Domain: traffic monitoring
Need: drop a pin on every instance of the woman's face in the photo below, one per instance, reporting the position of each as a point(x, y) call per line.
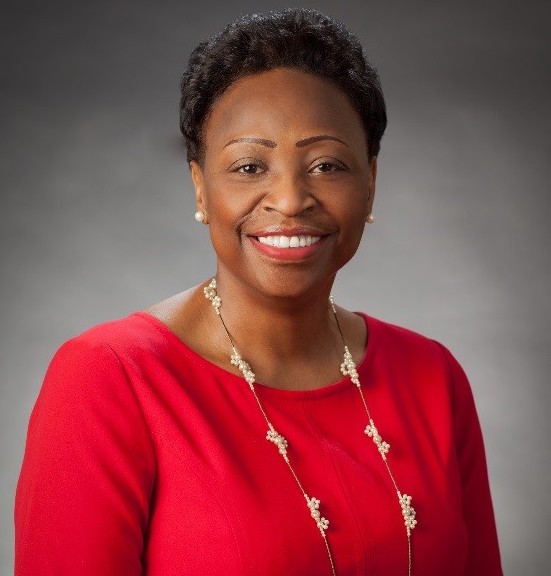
point(286, 183)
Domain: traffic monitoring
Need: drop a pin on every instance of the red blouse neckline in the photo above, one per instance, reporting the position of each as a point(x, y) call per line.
point(265, 390)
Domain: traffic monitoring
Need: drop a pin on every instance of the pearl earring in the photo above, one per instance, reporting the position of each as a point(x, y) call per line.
point(200, 216)
point(370, 218)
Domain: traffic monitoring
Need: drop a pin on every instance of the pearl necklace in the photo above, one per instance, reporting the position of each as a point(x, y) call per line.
point(348, 368)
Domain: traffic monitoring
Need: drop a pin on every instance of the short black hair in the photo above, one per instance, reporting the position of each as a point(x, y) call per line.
point(297, 38)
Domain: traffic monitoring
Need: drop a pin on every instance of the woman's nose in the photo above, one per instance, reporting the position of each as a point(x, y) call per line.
point(289, 195)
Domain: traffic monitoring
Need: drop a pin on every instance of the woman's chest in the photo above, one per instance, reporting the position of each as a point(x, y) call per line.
point(227, 502)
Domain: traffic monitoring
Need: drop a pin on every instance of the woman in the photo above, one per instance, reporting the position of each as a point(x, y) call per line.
point(249, 425)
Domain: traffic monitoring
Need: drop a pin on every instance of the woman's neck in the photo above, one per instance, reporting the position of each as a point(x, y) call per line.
point(300, 326)
point(290, 342)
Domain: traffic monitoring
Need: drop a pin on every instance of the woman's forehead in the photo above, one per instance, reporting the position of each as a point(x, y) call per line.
point(282, 102)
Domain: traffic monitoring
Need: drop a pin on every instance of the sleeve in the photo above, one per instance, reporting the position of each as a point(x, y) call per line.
point(478, 514)
point(82, 500)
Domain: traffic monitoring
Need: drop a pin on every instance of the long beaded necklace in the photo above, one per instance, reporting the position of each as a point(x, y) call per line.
point(348, 368)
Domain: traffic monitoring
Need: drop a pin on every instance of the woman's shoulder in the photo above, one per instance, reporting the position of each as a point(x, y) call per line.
point(391, 329)
point(419, 365)
point(94, 361)
point(114, 351)
point(123, 351)
point(391, 333)
point(120, 337)
point(144, 331)
point(410, 347)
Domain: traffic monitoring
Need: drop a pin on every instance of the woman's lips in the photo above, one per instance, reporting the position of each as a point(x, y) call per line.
point(287, 247)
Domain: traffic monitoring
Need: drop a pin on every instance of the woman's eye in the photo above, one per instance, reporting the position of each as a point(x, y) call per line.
point(248, 169)
point(324, 167)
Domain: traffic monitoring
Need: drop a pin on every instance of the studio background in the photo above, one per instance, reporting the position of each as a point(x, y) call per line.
point(96, 216)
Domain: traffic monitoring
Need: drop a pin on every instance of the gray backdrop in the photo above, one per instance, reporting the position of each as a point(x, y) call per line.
point(97, 207)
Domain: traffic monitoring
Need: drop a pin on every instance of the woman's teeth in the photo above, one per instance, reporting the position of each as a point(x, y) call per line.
point(288, 241)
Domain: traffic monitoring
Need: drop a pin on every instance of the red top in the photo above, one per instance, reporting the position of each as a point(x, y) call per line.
point(143, 458)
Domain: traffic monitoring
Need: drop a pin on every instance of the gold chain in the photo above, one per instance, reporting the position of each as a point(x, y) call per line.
point(348, 368)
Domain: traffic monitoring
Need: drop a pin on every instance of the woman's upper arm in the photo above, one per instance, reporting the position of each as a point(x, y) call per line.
point(82, 501)
point(478, 514)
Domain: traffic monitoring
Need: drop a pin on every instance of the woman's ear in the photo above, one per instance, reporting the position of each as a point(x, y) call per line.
point(371, 184)
point(198, 183)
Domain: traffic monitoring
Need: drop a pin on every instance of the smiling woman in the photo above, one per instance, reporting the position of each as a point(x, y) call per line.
point(277, 169)
point(249, 425)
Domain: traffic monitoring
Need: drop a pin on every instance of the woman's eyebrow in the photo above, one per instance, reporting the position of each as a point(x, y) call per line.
point(313, 139)
point(267, 143)
point(299, 144)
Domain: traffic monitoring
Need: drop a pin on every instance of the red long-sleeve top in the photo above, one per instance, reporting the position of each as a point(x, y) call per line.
point(143, 458)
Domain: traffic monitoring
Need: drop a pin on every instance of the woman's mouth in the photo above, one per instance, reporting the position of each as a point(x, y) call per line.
point(288, 241)
point(288, 247)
